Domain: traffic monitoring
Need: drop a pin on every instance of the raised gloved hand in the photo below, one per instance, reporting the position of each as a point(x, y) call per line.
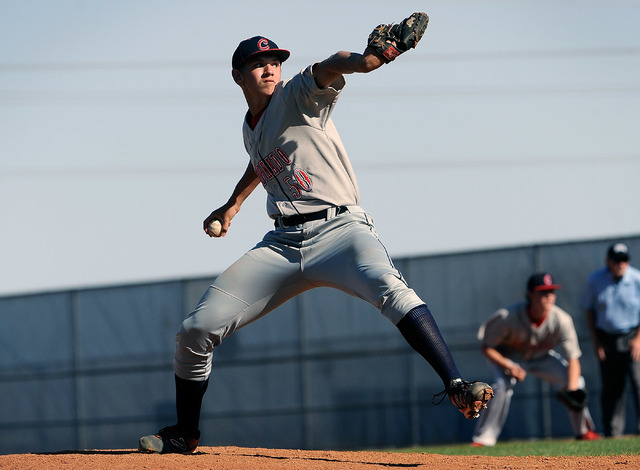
point(391, 40)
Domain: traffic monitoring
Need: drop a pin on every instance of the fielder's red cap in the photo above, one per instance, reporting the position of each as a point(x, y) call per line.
point(257, 45)
point(541, 281)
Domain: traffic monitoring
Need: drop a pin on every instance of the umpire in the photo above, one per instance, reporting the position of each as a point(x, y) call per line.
point(612, 304)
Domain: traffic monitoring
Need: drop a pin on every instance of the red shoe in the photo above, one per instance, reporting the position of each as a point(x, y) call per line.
point(590, 436)
point(476, 444)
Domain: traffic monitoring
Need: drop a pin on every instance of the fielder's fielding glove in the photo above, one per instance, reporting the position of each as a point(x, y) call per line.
point(574, 399)
point(391, 40)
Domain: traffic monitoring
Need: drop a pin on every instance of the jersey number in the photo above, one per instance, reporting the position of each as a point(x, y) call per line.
point(298, 183)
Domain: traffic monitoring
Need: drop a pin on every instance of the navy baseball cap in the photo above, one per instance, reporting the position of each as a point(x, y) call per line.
point(257, 45)
point(618, 252)
point(541, 281)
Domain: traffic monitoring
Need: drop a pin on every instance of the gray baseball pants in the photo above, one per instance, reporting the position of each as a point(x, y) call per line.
point(342, 252)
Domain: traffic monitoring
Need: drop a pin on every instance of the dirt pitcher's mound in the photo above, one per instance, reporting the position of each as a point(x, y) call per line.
point(239, 458)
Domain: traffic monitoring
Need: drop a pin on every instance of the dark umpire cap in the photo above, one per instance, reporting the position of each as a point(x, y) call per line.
point(257, 45)
point(618, 252)
point(541, 281)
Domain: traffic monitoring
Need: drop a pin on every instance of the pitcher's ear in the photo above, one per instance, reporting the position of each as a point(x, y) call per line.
point(237, 76)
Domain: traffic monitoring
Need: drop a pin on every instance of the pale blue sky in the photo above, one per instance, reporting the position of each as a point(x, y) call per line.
point(513, 122)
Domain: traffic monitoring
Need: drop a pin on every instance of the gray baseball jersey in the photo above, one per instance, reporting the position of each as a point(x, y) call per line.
point(297, 153)
point(510, 331)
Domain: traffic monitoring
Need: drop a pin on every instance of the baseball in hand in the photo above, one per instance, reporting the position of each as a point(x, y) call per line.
point(214, 228)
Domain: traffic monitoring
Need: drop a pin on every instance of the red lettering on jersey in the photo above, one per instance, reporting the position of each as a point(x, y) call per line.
point(274, 160)
point(283, 156)
point(265, 169)
point(260, 172)
point(275, 166)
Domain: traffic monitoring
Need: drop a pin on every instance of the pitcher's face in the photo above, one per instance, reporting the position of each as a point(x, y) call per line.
point(260, 75)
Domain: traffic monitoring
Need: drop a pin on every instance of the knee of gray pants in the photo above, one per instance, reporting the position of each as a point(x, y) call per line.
point(217, 315)
point(194, 350)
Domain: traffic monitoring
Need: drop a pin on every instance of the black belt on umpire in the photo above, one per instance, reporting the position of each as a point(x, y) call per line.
point(619, 342)
point(299, 219)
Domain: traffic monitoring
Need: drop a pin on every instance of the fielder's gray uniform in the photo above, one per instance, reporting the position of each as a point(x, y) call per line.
point(301, 162)
point(540, 350)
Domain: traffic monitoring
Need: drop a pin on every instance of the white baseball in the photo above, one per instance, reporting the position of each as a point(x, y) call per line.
point(215, 228)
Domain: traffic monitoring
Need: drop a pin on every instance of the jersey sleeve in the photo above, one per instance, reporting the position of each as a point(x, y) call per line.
point(568, 345)
point(493, 332)
point(313, 104)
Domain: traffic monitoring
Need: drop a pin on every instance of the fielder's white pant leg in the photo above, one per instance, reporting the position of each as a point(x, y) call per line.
point(258, 282)
point(581, 421)
point(553, 369)
point(491, 421)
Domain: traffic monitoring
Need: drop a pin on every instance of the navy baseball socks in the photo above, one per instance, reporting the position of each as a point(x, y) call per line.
point(420, 330)
point(183, 437)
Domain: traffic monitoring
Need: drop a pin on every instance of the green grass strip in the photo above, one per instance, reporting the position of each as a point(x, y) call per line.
point(628, 445)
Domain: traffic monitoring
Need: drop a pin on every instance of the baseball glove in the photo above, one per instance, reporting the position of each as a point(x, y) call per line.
point(469, 397)
point(574, 399)
point(391, 40)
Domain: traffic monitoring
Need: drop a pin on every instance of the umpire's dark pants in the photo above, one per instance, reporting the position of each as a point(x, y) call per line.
point(614, 371)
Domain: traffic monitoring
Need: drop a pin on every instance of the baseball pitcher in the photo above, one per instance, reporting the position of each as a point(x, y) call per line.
point(321, 236)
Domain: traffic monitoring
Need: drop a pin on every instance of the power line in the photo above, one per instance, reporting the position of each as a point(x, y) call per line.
point(225, 63)
point(115, 65)
point(513, 162)
point(538, 54)
point(75, 97)
point(111, 171)
point(503, 91)
point(150, 171)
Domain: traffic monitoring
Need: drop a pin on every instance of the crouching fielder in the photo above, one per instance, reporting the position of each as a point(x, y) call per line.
point(534, 337)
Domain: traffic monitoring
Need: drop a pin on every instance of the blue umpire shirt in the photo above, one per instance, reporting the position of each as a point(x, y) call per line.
point(616, 304)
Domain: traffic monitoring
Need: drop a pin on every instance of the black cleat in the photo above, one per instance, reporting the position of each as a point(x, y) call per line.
point(169, 440)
